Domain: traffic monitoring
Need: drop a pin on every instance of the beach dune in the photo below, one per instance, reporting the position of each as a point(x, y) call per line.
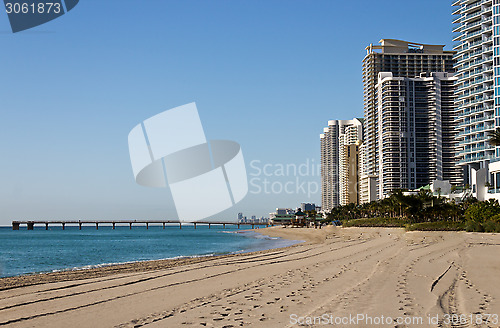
point(344, 277)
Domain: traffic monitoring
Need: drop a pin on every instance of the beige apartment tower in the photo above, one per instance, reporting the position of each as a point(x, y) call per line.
point(338, 134)
point(349, 173)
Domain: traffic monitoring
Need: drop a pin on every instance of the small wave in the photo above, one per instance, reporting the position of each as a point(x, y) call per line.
point(102, 265)
point(256, 235)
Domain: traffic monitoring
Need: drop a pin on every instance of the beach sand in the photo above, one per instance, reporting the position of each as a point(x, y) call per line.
point(338, 274)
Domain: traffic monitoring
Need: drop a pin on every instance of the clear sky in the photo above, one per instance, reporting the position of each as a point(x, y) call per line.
point(268, 74)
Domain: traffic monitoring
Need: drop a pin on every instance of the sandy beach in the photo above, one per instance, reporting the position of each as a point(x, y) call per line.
point(350, 277)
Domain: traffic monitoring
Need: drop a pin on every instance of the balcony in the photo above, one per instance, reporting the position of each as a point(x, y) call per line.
point(476, 159)
point(469, 17)
point(469, 103)
point(471, 45)
point(479, 119)
point(471, 6)
point(457, 11)
point(465, 27)
point(477, 110)
point(476, 149)
point(474, 83)
point(481, 71)
point(473, 140)
point(467, 36)
point(478, 129)
point(474, 92)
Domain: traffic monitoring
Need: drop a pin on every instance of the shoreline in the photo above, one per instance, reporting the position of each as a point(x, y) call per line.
point(297, 235)
point(36, 278)
point(338, 272)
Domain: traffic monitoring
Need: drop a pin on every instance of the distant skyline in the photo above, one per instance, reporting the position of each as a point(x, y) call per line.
point(267, 74)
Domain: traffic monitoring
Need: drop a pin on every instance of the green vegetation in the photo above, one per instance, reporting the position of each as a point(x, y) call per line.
point(421, 211)
point(376, 222)
point(483, 217)
point(436, 226)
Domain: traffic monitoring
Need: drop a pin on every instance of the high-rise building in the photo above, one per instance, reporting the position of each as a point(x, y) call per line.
point(337, 134)
point(349, 173)
point(349, 163)
point(307, 207)
point(367, 183)
point(402, 59)
point(416, 132)
point(478, 72)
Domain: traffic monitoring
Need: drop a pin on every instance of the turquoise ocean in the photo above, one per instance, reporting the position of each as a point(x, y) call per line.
point(38, 250)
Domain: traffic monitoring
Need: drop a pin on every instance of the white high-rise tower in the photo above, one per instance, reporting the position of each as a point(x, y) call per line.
point(478, 86)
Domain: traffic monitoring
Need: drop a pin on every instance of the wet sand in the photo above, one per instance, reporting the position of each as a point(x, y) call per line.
point(336, 275)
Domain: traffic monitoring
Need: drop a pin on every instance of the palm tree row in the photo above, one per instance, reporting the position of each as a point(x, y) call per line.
point(422, 207)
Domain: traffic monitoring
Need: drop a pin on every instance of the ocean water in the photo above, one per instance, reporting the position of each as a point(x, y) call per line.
point(23, 251)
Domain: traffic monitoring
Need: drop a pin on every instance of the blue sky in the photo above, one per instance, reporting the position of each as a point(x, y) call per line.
point(268, 74)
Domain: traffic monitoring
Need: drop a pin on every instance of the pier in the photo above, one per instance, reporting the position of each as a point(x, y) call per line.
point(63, 223)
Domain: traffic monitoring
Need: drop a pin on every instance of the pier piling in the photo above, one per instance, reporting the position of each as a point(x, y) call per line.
point(30, 224)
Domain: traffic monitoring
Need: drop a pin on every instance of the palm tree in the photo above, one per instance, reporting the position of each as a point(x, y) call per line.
point(399, 200)
point(494, 137)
